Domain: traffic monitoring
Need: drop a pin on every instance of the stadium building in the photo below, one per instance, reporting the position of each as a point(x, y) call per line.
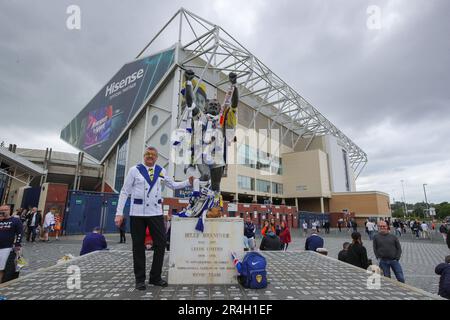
point(311, 167)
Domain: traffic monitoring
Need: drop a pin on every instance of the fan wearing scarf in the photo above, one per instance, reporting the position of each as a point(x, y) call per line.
point(210, 127)
point(144, 183)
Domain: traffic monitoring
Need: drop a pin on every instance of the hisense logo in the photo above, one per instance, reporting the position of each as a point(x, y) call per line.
point(113, 87)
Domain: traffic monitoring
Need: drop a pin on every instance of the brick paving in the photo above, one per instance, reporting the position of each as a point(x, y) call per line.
point(293, 275)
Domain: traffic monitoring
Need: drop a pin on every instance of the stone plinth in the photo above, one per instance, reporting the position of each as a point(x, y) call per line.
point(205, 258)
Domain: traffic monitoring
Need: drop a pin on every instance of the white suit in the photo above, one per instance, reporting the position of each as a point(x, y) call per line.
point(144, 204)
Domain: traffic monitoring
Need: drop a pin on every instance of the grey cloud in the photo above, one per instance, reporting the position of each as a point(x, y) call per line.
point(357, 78)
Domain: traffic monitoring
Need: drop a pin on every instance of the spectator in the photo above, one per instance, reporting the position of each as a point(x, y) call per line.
point(313, 242)
point(58, 225)
point(285, 236)
point(388, 251)
point(403, 227)
point(357, 253)
point(448, 239)
point(168, 230)
point(273, 226)
point(327, 227)
point(277, 229)
point(94, 241)
point(10, 242)
point(249, 234)
point(340, 225)
point(398, 230)
point(370, 229)
point(49, 223)
point(122, 230)
point(354, 226)
point(424, 228)
point(443, 269)
point(266, 228)
point(270, 242)
point(342, 255)
point(33, 222)
point(415, 229)
point(443, 230)
point(305, 228)
point(148, 241)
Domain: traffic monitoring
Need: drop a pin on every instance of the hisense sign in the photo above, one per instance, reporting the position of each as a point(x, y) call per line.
point(114, 86)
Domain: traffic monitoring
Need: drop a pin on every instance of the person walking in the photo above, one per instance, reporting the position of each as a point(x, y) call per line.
point(388, 251)
point(285, 236)
point(354, 226)
point(10, 241)
point(49, 223)
point(357, 253)
point(327, 227)
point(144, 183)
point(305, 228)
point(425, 233)
point(249, 234)
point(314, 241)
point(33, 222)
point(370, 229)
point(443, 269)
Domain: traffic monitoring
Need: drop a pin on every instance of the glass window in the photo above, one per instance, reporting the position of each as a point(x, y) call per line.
point(263, 186)
point(121, 165)
point(246, 183)
point(277, 188)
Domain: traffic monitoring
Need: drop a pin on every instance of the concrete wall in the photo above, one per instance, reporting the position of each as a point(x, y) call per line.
point(363, 204)
point(305, 174)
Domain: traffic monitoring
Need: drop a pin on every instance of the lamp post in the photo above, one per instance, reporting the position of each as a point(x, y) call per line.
point(426, 200)
point(404, 199)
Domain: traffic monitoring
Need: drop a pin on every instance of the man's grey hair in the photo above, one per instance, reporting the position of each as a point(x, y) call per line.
point(151, 148)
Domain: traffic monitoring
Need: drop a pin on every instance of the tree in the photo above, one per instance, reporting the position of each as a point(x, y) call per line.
point(442, 210)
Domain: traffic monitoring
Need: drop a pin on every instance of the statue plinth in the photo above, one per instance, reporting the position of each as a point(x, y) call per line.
point(205, 257)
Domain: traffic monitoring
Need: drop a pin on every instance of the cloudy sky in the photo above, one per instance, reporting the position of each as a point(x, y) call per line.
point(385, 82)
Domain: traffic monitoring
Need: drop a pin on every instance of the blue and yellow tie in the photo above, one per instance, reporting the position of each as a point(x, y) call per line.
point(150, 173)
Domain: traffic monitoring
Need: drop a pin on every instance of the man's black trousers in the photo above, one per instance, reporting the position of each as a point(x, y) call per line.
point(158, 232)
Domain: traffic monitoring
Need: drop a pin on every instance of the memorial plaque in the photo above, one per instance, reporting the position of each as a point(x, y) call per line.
point(205, 257)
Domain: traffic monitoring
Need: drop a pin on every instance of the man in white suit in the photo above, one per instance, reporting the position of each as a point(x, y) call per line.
point(143, 183)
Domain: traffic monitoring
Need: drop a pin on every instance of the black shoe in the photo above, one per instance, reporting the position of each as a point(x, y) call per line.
point(141, 286)
point(161, 283)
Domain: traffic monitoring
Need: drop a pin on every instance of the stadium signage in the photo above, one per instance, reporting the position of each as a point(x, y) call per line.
point(113, 87)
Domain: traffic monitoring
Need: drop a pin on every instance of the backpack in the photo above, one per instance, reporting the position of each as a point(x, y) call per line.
point(253, 273)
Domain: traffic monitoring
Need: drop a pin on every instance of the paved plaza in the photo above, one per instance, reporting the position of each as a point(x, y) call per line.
point(294, 274)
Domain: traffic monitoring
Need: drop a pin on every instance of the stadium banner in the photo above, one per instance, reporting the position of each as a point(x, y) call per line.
point(99, 124)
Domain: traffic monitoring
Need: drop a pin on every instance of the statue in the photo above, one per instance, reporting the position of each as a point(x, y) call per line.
point(209, 128)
